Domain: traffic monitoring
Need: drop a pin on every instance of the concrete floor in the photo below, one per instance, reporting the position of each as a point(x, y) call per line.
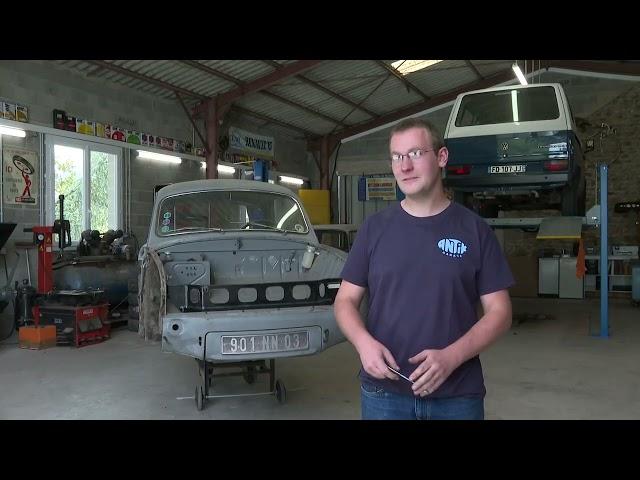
point(547, 367)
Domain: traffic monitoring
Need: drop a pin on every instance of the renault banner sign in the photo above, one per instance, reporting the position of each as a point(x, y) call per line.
point(244, 141)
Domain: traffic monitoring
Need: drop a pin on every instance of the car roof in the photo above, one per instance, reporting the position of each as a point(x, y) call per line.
point(221, 184)
point(511, 87)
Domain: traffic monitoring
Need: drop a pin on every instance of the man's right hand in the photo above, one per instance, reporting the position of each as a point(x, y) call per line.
point(375, 357)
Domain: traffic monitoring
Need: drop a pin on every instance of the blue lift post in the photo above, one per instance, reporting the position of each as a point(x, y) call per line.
point(604, 258)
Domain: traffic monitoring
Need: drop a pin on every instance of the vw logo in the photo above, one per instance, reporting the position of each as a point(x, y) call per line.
point(505, 146)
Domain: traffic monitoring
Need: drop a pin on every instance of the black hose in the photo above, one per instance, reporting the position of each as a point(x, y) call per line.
point(13, 302)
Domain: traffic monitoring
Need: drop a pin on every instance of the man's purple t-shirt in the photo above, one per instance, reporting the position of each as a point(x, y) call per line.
point(425, 276)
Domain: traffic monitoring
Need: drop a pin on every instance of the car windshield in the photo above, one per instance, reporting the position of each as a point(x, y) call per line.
point(508, 106)
point(230, 210)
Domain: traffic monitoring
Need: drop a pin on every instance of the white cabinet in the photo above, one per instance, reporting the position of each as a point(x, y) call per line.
point(557, 277)
point(548, 276)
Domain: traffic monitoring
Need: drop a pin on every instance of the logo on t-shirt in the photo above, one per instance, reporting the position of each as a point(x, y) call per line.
point(452, 247)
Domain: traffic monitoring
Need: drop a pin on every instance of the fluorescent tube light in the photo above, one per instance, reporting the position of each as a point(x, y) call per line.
point(158, 156)
point(291, 180)
point(221, 168)
point(519, 74)
point(12, 131)
point(514, 105)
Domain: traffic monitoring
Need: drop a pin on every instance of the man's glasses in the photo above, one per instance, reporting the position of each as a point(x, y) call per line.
point(396, 158)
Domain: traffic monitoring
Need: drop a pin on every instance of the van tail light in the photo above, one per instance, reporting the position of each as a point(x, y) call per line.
point(556, 165)
point(459, 169)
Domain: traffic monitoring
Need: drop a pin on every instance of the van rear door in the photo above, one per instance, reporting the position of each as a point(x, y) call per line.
point(521, 127)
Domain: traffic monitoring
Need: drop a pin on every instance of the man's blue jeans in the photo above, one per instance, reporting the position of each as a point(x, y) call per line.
point(378, 404)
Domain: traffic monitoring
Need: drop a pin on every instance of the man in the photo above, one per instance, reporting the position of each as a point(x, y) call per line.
point(426, 262)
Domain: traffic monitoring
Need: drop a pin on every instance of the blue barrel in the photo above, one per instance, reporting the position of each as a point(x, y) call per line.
point(108, 273)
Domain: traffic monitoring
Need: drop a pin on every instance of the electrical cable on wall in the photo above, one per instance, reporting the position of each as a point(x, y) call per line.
point(335, 164)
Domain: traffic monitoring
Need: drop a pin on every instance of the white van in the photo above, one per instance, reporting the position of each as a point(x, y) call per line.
point(515, 147)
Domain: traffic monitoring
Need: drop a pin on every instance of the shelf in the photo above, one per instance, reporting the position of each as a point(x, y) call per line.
point(32, 127)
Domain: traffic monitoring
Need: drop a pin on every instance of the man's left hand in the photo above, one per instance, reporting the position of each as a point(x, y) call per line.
point(435, 367)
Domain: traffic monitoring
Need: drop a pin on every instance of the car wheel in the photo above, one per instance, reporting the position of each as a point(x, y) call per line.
point(281, 392)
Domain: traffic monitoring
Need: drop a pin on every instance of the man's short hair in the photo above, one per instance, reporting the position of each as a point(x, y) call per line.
point(409, 123)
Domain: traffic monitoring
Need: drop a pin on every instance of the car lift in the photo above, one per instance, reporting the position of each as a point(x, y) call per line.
point(571, 227)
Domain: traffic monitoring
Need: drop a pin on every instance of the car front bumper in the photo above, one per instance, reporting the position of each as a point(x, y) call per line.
point(199, 334)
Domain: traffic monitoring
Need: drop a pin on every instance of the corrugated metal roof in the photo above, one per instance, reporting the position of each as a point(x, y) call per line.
point(286, 113)
point(440, 80)
point(243, 70)
point(343, 76)
point(315, 99)
point(390, 95)
point(490, 67)
point(362, 82)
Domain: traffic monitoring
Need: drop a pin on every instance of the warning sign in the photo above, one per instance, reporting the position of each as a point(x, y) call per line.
point(381, 188)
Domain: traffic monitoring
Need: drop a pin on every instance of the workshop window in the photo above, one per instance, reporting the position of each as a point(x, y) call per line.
point(88, 175)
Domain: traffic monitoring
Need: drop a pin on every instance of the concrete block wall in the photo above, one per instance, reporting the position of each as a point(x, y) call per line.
point(620, 152)
point(42, 87)
point(623, 113)
point(145, 175)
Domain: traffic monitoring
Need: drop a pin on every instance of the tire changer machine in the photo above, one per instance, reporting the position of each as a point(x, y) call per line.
point(79, 316)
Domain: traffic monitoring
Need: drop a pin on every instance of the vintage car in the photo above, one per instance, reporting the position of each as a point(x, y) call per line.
point(515, 147)
point(232, 274)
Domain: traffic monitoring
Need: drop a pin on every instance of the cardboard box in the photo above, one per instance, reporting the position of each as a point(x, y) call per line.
point(70, 123)
point(118, 134)
point(59, 119)
point(166, 143)
point(99, 130)
point(86, 127)
point(22, 113)
point(37, 337)
point(9, 111)
point(134, 137)
point(525, 273)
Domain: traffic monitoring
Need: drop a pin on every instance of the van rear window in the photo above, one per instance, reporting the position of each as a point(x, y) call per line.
point(508, 106)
